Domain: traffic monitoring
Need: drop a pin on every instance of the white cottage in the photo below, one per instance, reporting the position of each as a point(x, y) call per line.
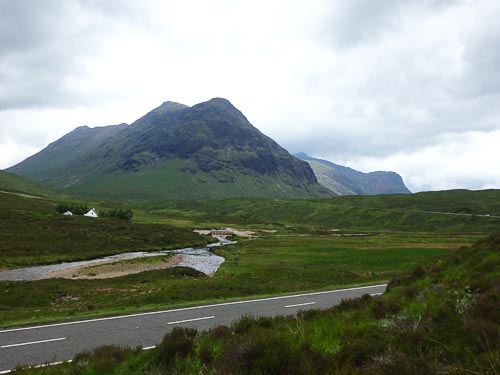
point(68, 213)
point(91, 213)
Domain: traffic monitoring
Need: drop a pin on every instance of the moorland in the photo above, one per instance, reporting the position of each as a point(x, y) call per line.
point(443, 279)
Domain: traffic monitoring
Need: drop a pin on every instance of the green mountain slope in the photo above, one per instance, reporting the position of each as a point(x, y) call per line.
point(12, 183)
point(61, 164)
point(347, 181)
point(443, 211)
point(174, 152)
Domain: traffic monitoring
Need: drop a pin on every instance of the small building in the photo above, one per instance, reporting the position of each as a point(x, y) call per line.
point(221, 233)
point(91, 213)
point(68, 213)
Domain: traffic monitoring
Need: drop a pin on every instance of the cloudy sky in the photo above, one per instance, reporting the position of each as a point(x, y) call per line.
point(403, 85)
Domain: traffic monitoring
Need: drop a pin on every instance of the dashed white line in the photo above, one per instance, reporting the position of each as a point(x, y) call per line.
point(190, 308)
point(32, 342)
point(40, 366)
point(301, 304)
point(376, 294)
point(191, 320)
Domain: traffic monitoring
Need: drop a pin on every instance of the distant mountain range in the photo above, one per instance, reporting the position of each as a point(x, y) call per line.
point(347, 181)
point(174, 152)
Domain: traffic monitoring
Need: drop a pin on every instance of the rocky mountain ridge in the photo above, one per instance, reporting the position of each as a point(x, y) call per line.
point(347, 181)
point(209, 150)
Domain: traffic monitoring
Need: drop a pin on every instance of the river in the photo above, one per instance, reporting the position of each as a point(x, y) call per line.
point(200, 259)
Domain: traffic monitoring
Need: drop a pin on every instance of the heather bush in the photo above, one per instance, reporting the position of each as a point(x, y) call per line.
point(176, 345)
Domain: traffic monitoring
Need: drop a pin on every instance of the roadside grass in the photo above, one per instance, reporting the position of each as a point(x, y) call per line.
point(261, 267)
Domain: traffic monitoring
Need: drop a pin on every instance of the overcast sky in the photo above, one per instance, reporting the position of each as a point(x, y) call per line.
point(402, 85)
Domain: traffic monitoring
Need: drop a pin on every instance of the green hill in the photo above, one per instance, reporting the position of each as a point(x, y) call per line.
point(62, 162)
point(32, 232)
point(174, 152)
point(443, 211)
point(14, 184)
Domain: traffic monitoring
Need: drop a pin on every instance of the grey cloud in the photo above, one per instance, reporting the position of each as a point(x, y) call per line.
point(483, 59)
point(412, 86)
point(45, 46)
point(36, 53)
point(27, 24)
point(350, 23)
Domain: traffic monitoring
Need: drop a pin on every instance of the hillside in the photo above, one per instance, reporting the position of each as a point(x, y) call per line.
point(12, 183)
point(61, 161)
point(32, 232)
point(174, 152)
point(347, 181)
point(437, 319)
point(443, 211)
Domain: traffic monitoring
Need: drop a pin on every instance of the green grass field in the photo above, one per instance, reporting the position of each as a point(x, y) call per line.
point(265, 266)
point(449, 212)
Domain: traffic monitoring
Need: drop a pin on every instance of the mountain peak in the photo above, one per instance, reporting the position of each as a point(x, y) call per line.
point(223, 110)
point(209, 150)
point(169, 106)
point(220, 101)
point(302, 156)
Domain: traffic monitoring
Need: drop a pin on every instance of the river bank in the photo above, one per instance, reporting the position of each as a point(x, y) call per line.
point(200, 259)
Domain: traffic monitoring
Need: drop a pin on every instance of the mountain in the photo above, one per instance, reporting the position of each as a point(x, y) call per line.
point(174, 152)
point(61, 163)
point(347, 181)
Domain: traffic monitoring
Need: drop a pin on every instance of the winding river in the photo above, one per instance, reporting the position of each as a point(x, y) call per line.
point(200, 259)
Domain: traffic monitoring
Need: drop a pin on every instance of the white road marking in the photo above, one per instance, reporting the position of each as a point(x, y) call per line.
point(191, 308)
point(149, 347)
point(40, 366)
point(32, 342)
point(191, 320)
point(301, 304)
point(376, 294)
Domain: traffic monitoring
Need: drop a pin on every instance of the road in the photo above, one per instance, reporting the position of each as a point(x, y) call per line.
point(60, 342)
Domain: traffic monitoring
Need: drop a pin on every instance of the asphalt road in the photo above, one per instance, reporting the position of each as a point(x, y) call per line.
point(60, 342)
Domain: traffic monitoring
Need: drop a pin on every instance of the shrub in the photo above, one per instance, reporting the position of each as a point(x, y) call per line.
point(243, 325)
point(259, 353)
point(383, 307)
point(488, 306)
point(486, 333)
point(119, 214)
point(355, 303)
point(177, 344)
point(360, 350)
point(76, 208)
point(219, 332)
point(102, 360)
